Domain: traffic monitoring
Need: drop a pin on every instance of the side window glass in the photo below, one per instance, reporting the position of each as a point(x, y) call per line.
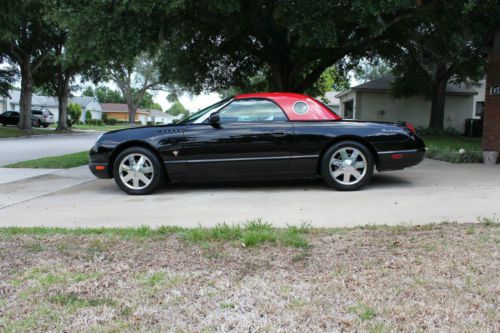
point(251, 110)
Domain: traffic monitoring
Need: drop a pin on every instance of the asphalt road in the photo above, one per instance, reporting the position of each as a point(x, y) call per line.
point(431, 192)
point(28, 148)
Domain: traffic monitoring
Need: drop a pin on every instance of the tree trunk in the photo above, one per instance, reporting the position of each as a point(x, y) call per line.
point(131, 110)
point(288, 78)
point(279, 78)
point(63, 97)
point(25, 121)
point(438, 103)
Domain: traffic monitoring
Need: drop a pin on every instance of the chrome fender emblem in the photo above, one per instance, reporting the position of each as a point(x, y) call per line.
point(175, 152)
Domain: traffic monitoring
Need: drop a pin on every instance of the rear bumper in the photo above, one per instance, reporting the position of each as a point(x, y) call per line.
point(399, 159)
point(100, 170)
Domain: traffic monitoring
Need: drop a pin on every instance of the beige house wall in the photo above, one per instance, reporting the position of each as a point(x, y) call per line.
point(415, 110)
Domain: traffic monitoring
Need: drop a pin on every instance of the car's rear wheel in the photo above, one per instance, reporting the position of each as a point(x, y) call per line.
point(38, 123)
point(45, 125)
point(347, 166)
point(137, 170)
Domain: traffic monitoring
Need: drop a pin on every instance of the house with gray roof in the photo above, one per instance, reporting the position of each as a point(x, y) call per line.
point(371, 101)
point(52, 104)
point(88, 104)
point(37, 102)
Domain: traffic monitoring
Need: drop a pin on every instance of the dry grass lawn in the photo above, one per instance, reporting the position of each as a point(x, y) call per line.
point(437, 278)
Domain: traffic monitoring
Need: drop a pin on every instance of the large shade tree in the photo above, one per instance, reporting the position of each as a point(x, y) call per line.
point(134, 80)
point(57, 75)
point(25, 41)
point(434, 48)
point(120, 43)
point(213, 45)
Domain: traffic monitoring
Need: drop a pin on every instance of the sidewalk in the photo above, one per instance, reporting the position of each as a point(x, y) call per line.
point(20, 185)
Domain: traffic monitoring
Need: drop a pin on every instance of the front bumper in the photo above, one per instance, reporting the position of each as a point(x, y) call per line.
point(399, 159)
point(100, 170)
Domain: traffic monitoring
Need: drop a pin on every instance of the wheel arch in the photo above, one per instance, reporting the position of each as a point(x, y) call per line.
point(134, 143)
point(354, 138)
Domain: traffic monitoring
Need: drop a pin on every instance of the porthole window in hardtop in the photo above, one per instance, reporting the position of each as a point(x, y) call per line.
point(300, 108)
point(251, 110)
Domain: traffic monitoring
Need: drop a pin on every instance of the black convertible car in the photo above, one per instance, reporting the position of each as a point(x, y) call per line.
point(256, 136)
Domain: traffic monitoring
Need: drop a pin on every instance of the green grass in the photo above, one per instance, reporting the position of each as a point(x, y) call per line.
point(363, 311)
point(14, 132)
point(104, 128)
point(54, 162)
point(446, 148)
point(251, 234)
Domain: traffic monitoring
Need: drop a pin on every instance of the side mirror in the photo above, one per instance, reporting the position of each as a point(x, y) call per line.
point(214, 120)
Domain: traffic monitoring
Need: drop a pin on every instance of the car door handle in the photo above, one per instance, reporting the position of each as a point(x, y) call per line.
point(279, 133)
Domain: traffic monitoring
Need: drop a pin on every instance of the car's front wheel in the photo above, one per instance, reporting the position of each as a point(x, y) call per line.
point(347, 166)
point(137, 170)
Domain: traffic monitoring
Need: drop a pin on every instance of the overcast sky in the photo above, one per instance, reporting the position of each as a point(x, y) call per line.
point(190, 102)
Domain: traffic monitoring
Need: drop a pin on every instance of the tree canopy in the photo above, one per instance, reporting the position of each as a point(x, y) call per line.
point(216, 45)
point(237, 45)
point(25, 41)
point(176, 108)
point(436, 47)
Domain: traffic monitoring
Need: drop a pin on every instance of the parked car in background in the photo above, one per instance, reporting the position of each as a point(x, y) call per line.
point(9, 118)
point(43, 118)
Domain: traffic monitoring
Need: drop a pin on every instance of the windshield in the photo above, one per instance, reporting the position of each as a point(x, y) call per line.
point(197, 115)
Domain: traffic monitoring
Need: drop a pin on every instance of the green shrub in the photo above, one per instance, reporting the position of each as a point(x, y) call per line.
point(94, 122)
point(112, 121)
point(104, 118)
point(88, 116)
point(75, 112)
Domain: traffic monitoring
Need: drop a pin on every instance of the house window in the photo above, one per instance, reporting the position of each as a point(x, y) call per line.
point(349, 109)
point(478, 112)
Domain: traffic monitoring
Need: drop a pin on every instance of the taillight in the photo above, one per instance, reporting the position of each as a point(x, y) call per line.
point(410, 127)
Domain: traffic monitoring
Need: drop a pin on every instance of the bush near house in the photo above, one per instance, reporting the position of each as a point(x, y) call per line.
point(94, 122)
point(74, 112)
point(109, 121)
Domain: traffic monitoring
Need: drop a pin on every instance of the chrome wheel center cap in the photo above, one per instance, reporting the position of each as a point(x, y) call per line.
point(347, 163)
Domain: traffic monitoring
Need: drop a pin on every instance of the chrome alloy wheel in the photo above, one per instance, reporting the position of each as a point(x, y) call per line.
point(136, 171)
point(348, 166)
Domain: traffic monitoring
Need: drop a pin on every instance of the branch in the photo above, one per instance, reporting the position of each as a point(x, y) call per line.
point(312, 77)
point(39, 62)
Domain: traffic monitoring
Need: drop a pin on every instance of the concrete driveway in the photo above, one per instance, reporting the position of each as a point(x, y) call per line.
point(28, 148)
point(431, 192)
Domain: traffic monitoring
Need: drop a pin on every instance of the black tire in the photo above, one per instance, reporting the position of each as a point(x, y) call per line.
point(38, 123)
point(45, 125)
point(349, 182)
point(156, 177)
